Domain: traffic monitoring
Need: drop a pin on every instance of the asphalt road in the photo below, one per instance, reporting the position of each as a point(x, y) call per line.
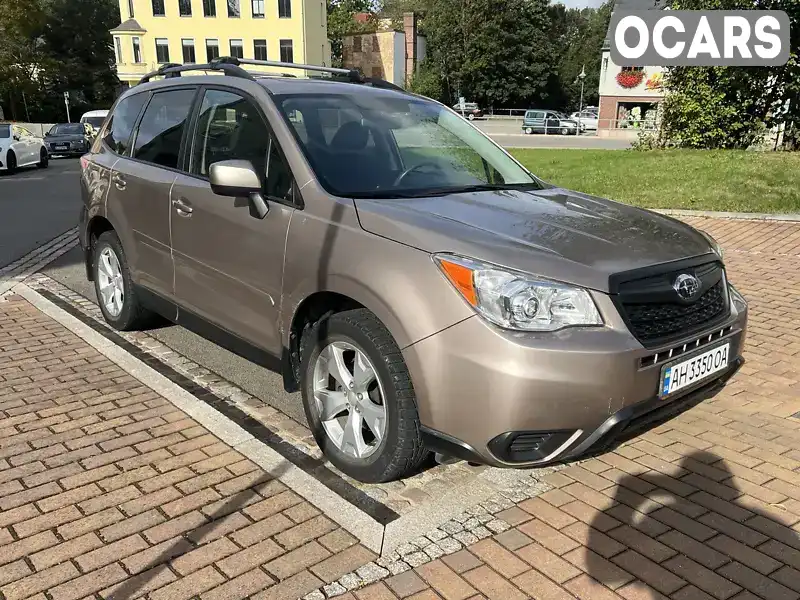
point(36, 205)
point(508, 133)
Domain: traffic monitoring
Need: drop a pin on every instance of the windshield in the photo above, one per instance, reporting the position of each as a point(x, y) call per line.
point(376, 145)
point(95, 122)
point(5, 130)
point(67, 129)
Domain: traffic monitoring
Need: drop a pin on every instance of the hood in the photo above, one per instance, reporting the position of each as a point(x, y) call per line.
point(556, 233)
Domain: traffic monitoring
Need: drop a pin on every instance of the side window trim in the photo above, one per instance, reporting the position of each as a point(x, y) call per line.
point(298, 201)
point(140, 116)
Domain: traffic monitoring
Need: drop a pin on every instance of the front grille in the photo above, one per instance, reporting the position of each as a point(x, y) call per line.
point(655, 313)
point(667, 355)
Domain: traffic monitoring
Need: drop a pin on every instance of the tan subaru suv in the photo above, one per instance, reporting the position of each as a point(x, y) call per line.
point(420, 287)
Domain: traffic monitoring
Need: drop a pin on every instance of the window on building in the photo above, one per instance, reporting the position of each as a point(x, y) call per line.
point(287, 51)
point(118, 49)
point(159, 10)
point(356, 43)
point(285, 9)
point(209, 8)
point(212, 49)
point(260, 49)
point(258, 8)
point(137, 49)
point(188, 51)
point(158, 139)
point(237, 48)
point(233, 8)
point(185, 8)
point(130, 8)
point(162, 51)
point(118, 132)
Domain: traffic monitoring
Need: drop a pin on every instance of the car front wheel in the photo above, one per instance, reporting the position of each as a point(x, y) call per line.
point(11, 162)
point(529, 130)
point(359, 399)
point(116, 294)
point(44, 159)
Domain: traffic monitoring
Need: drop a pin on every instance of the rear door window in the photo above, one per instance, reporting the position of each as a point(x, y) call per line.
point(118, 131)
point(158, 138)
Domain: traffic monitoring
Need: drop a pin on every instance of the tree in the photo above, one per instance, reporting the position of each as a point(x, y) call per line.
point(730, 107)
point(23, 58)
point(580, 35)
point(53, 46)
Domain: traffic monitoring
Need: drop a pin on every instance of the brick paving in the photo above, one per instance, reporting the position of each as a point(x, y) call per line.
point(108, 491)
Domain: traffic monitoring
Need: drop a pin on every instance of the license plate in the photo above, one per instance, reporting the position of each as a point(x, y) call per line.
point(692, 370)
point(61, 146)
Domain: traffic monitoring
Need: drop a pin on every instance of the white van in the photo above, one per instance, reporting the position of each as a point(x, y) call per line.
point(95, 118)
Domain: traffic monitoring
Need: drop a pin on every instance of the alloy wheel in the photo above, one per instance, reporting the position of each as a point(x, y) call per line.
point(111, 284)
point(349, 400)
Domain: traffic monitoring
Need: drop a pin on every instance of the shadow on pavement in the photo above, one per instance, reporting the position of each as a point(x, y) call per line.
point(135, 585)
point(665, 519)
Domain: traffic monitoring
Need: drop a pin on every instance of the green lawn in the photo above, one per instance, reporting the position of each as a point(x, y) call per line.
point(767, 182)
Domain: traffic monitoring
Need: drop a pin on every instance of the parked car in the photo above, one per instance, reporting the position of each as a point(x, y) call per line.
point(419, 299)
point(69, 139)
point(95, 118)
point(549, 121)
point(587, 119)
point(20, 148)
point(470, 110)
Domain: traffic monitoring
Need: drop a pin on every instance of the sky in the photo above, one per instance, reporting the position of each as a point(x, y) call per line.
point(579, 3)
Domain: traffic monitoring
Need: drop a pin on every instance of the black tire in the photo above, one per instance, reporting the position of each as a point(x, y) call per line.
point(564, 131)
point(401, 451)
point(11, 162)
point(529, 130)
point(44, 159)
point(133, 315)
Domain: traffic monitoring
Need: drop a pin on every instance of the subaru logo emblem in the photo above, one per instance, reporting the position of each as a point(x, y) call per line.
point(687, 286)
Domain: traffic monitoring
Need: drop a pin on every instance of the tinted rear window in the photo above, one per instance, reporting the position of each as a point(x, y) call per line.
point(5, 130)
point(67, 129)
point(118, 132)
point(158, 139)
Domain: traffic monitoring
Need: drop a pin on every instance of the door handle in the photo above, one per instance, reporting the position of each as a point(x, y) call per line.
point(182, 207)
point(119, 181)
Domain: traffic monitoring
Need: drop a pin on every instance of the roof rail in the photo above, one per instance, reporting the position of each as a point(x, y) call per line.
point(170, 70)
point(231, 65)
point(352, 74)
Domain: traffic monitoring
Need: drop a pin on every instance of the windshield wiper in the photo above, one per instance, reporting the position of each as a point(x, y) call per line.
point(444, 191)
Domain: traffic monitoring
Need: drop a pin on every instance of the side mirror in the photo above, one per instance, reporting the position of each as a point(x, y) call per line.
point(16, 138)
point(238, 178)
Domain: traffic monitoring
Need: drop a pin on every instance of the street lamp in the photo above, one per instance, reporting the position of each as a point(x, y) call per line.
point(581, 76)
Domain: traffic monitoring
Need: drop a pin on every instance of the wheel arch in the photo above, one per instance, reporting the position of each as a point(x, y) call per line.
point(96, 227)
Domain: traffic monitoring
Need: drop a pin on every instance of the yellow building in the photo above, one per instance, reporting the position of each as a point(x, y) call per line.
point(154, 32)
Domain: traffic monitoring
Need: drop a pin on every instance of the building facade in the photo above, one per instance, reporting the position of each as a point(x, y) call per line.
point(386, 53)
point(629, 96)
point(155, 32)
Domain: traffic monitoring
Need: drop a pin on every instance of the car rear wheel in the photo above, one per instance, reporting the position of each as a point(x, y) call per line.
point(359, 399)
point(11, 162)
point(471, 117)
point(116, 294)
point(44, 159)
point(529, 130)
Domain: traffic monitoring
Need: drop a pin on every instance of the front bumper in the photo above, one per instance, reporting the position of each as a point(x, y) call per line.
point(480, 389)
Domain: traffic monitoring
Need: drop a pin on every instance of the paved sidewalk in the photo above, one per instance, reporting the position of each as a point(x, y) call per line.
point(108, 490)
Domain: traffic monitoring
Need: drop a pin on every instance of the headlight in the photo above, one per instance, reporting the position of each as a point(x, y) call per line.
point(518, 301)
point(570, 124)
point(714, 244)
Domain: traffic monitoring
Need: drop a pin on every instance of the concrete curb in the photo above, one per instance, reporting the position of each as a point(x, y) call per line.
point(711, 214)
